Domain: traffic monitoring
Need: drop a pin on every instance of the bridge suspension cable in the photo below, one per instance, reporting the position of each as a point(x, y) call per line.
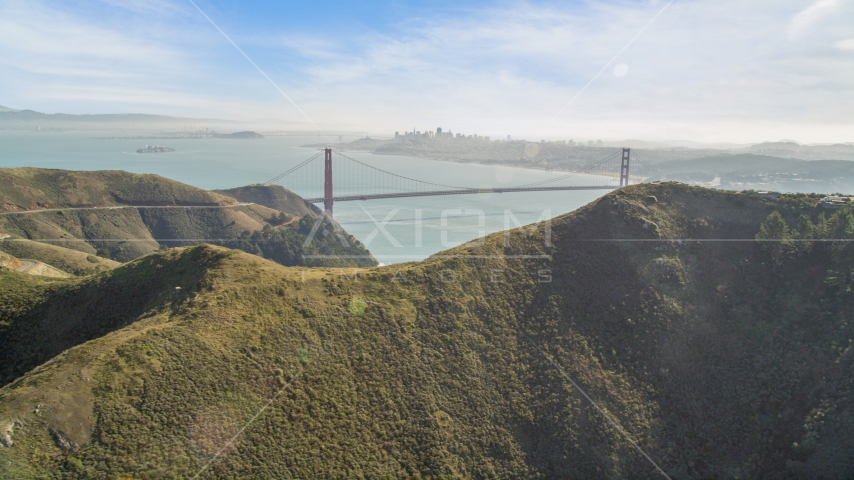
point(589, 169)
point(292, 170)
point(649, 169)
point(400, 177)
point(357, 180)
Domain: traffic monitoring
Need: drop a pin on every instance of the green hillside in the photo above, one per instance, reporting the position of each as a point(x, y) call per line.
point(71, 261)
point(9, 262)
point(36, 188)
point(723, 359)
point(123, 216)
point(127, 233)
point(273, 196)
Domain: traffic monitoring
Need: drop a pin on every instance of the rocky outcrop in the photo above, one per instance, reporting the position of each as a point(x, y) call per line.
point(63, 441)
point(7, 429)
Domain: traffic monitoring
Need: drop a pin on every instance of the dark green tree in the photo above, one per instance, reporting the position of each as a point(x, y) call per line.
point(775, 237)
point(840, 228)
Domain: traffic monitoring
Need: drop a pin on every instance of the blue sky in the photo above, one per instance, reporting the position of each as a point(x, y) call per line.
point(719, 70)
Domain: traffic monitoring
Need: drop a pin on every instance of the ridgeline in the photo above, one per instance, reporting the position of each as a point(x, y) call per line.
point(723, 357)
point(122, 216)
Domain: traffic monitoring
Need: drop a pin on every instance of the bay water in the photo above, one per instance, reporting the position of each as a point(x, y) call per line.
point(394, 230)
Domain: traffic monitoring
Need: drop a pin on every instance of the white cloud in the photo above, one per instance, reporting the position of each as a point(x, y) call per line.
point(845, 44)
point(159, 7)
point(38, 38)
point(521, 64)
point(704, 70)
point(810, 15)
point(55, 54)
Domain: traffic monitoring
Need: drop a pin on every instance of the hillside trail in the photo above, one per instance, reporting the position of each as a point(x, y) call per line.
point(118, 207)
point(27, 265)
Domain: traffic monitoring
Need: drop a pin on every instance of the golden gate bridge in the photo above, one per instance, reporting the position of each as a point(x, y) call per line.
point(356, 180)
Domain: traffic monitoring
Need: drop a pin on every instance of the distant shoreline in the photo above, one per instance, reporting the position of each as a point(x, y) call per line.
point(490, 164)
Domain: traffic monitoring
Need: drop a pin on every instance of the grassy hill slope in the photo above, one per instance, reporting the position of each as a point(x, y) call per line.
point(64, 313)
point(127, 233)
point(272, 196)
point(71, 261)
point(36, 188)
point(9, 262)
point(139, 214)
point(722, 358)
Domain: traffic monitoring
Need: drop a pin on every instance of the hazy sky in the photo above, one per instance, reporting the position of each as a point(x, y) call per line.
point(710, 70)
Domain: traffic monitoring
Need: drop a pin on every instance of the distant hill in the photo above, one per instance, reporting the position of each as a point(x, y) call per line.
point(240, 135)
point(123, 216)
point(32, 117)
point(198, 127)
point(273, 196)
point(805, 152)
point(551, 155)
point(39, 188)
point(68, 260)
point(724, 163)
point(744, 171)
point(722, 359)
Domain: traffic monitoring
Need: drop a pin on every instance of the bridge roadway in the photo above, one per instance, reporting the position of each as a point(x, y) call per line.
point(468, 191)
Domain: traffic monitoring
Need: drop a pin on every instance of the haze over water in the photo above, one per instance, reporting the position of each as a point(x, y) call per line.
point(446, 221)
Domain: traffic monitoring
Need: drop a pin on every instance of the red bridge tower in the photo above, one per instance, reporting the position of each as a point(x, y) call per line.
point(624, 168)
point(327, 186)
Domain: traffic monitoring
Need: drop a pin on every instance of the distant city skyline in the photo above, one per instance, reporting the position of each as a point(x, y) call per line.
point(726, 71)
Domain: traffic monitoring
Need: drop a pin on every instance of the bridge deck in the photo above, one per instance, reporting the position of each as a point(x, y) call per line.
point(468, 191)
